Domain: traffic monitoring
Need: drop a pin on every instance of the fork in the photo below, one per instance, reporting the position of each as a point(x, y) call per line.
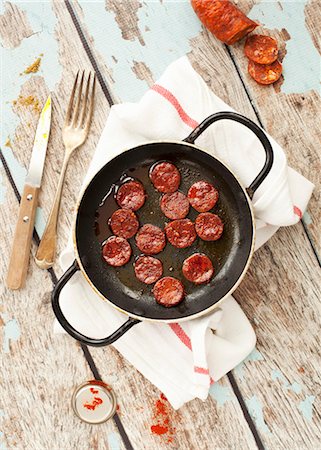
point(74, 134)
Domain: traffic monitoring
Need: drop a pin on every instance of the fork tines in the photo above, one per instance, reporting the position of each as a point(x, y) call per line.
point(80, 108)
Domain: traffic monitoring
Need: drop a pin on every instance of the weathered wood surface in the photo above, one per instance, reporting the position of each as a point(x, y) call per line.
point(280, 295)
point(198, 425)
point(289, 108)
point(38, 370)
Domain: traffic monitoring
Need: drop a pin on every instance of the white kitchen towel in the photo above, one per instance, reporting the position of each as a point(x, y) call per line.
point(183, 359)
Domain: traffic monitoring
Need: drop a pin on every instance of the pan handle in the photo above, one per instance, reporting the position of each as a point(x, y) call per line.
point(253, 127)
point(70, 329)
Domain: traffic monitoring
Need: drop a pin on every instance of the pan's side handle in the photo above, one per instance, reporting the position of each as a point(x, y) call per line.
point(70, 329)
point(253, 127)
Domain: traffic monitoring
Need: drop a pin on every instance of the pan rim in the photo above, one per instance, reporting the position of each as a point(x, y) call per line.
point(185, 318)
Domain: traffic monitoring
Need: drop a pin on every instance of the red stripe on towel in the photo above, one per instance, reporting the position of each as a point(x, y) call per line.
point(180, 333)
point(201, 370)
point(184, 338)
point(297, 211)
point(173, 100)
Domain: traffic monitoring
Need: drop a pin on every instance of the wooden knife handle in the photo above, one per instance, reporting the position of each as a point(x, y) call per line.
point(20, 253)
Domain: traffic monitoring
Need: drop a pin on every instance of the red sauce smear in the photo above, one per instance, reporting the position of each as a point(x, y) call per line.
point(162, 425)
point(92, 406)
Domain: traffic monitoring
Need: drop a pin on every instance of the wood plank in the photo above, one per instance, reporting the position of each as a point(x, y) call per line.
point(38, 370)
point(282, 387)
point(289, 108)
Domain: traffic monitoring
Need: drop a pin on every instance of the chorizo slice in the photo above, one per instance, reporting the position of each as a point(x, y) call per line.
point(165, 177)
point(148, 269)
point(150, 239)
point(116, 251)
point(175, 205)
point(202, 196)
point(131, 195)
point(168, 291)
point(261, 49)
point(198, 268)
point(181, 233)
point(265, 74)
point(124, 223)
point(208, 226)
point(223, 19)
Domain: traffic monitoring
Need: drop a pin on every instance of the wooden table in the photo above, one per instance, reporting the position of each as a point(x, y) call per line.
point(272, 400)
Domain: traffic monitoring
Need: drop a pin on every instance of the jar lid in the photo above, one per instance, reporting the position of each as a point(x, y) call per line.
point(94, 402)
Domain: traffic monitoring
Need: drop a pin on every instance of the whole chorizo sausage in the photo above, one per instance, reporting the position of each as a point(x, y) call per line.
point(223, 19)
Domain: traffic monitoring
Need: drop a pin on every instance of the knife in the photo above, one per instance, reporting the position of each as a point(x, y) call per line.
point(20, 253)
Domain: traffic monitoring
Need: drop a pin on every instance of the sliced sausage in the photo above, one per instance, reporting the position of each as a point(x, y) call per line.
point(198, 268)
point(168, 291)
point(131, 195)
point(202, 196)
point(208, 226)
point(175, 206)
point(150, 239)
point(181, 233)
point(116, 251)
point(124, 223)
point(261, 49)
point(223, 19)
point(148, 269)
point(165, 177)
point(265, 74)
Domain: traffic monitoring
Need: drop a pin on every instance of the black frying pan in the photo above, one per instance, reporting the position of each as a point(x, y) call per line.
point(230, 255)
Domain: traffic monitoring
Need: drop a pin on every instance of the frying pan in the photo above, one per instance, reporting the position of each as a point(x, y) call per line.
point(230, 255)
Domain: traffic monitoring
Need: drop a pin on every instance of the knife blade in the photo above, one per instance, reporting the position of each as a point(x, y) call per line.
point(38, 154)
point(20, 253)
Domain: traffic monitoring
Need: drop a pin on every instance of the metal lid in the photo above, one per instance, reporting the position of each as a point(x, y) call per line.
point(94, 402)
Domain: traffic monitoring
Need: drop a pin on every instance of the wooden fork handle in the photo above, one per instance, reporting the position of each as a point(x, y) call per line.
point(20, 253)
point(46, 253)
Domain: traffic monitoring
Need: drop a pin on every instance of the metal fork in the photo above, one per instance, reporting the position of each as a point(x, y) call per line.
point(74, 134)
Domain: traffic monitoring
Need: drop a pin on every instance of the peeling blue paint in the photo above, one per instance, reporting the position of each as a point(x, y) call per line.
point(307, 218)
point(43, 21)
point(301, 65)
point(221, 394)
point(2, 444)
point(11, 332)
point(278, 375)
point(113, 441)
point(162, 19)
point(256, 411)
point(306, 407)
point(255, 355)
point(294, 387)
